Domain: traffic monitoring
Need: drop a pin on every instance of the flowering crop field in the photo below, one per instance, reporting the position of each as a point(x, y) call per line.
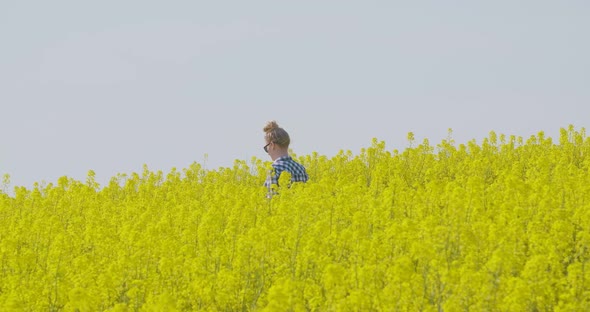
point(501, 225)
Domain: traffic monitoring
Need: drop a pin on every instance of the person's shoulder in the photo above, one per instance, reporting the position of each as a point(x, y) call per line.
point(283, 160)
point(298, 167)
point(298, 164)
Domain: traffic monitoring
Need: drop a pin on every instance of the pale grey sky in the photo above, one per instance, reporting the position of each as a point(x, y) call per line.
point(112, 85)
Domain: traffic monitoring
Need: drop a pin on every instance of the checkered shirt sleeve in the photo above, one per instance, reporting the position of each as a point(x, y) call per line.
point(297, 171)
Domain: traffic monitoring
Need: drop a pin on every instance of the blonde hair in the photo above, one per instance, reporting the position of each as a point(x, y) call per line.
point(276, 134)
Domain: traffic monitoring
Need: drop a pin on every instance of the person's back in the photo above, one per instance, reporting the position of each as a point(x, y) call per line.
point(277, 147)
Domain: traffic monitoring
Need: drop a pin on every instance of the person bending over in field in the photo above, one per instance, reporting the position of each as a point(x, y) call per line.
point(277, 147)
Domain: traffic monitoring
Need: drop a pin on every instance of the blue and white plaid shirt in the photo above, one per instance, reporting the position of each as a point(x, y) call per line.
point(297, 171)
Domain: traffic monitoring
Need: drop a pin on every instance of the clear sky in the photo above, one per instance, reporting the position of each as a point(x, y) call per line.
point(112, 85)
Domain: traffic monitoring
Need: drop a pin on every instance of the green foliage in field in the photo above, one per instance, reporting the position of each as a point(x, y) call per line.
point(502, 225)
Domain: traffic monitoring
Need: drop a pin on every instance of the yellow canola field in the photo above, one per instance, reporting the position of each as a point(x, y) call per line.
point(501, 225)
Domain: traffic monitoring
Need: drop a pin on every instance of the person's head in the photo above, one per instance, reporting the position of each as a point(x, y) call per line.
point(276, 140)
